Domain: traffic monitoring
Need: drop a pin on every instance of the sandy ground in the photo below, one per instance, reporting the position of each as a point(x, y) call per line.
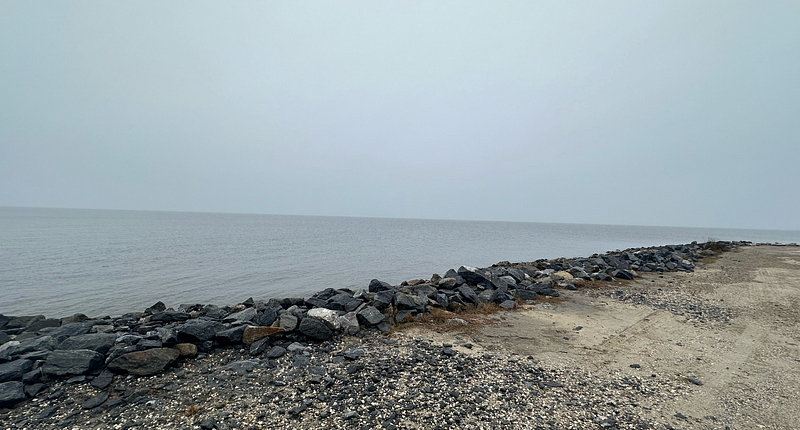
point(733, 325)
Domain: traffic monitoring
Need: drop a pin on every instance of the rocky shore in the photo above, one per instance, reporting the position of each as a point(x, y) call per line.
point(324, 361)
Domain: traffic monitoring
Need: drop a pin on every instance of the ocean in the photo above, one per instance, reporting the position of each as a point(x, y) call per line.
point(58, 262)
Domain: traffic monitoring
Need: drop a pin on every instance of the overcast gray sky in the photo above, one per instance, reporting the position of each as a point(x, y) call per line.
point(679, 113)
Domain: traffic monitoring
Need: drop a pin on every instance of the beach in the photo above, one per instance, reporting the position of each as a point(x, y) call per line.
point(712, 348)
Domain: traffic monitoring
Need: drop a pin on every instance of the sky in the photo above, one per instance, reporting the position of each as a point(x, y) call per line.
point(678, 113)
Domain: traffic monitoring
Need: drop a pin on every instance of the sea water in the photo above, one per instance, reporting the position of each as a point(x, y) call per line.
point(58, 262)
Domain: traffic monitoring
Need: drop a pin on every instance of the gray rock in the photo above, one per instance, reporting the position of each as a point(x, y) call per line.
point(259, 346)
point(287, 322)
point(447, 283)
point(42, 343)
point(144, 363)
point(32, 377)
point(266, 317)
point(406, 301)
point(168, 336)
point(69, 362)
point(468, 294)
point(376, 285)
point(103, 380)
point(276, 351)
point(231, 335)
point(243, 316)
point(45, 323)
point(95, 401)
point(11, 393)
point(383, 299)
point(170, 316)
point(4, 337)
point(71, 329)
point(349, 323)
point(370, 316)
point(315, 329)
point(23, 321)
point(156, 308)
point(199, 330)
point(526, 294)
point(473, 276)
point(100, 342)
point(14, 370)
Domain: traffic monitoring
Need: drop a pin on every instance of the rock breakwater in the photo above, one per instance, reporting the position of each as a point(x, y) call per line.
point(39, 354)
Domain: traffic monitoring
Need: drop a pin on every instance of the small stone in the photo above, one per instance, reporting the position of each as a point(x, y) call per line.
point(694, 380)
point(95, 401)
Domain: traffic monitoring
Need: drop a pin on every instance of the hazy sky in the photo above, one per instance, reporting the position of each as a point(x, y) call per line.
point(679, 113)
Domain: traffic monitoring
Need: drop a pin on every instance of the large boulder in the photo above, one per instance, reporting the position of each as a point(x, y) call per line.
point(327, 316)
point(468, 294)
point(287, 322)
point(100, 342)
point(42, 343)
point(199, 330)
point(13, 370)
point(231, 335)
point(144, 363)
point(11, 393)
point(370, 316)
point(383, 299)
point(68, 362)
point(349, 323)
point(266, 317)
point(473, 276)
point(71, 329)
point(315, 329)
point(409, 302)
point(376, 285)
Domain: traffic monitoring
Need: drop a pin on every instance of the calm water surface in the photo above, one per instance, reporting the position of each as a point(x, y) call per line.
point(58, 262)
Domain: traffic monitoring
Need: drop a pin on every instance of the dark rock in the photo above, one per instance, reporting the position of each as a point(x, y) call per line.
point(276, 351)
point(14, 370)
point(473, 276)
point(40, 324)
point(11, 393)
point(355, 353)
point(292, 301)
point(42, 343)
point(507, 304)
point(266, 317)
point(315, 329)
point(245, 315)
point(383, 299)
point(32, 377)
point(376, 285)
point(4, 337)
point(694, 380)
point(71, 329)
point(468, 294)
point(231, 335)
point(622, 274)
point(100, 342)
point(170, 316)
point(149, 344)
point(156, 308)
point(370, 316)
point(103, 380)
point(95, 401)
point(167, 335)
point(34, 389)
point(406, 301)
point(259, 346)
point(526, 294)
point(144, 363)
point(199, 330)
point(72, 362)
point(288, 322)
point(315, 302)
point(23, 322)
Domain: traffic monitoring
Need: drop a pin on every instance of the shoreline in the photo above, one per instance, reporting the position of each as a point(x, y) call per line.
point(147, 343)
